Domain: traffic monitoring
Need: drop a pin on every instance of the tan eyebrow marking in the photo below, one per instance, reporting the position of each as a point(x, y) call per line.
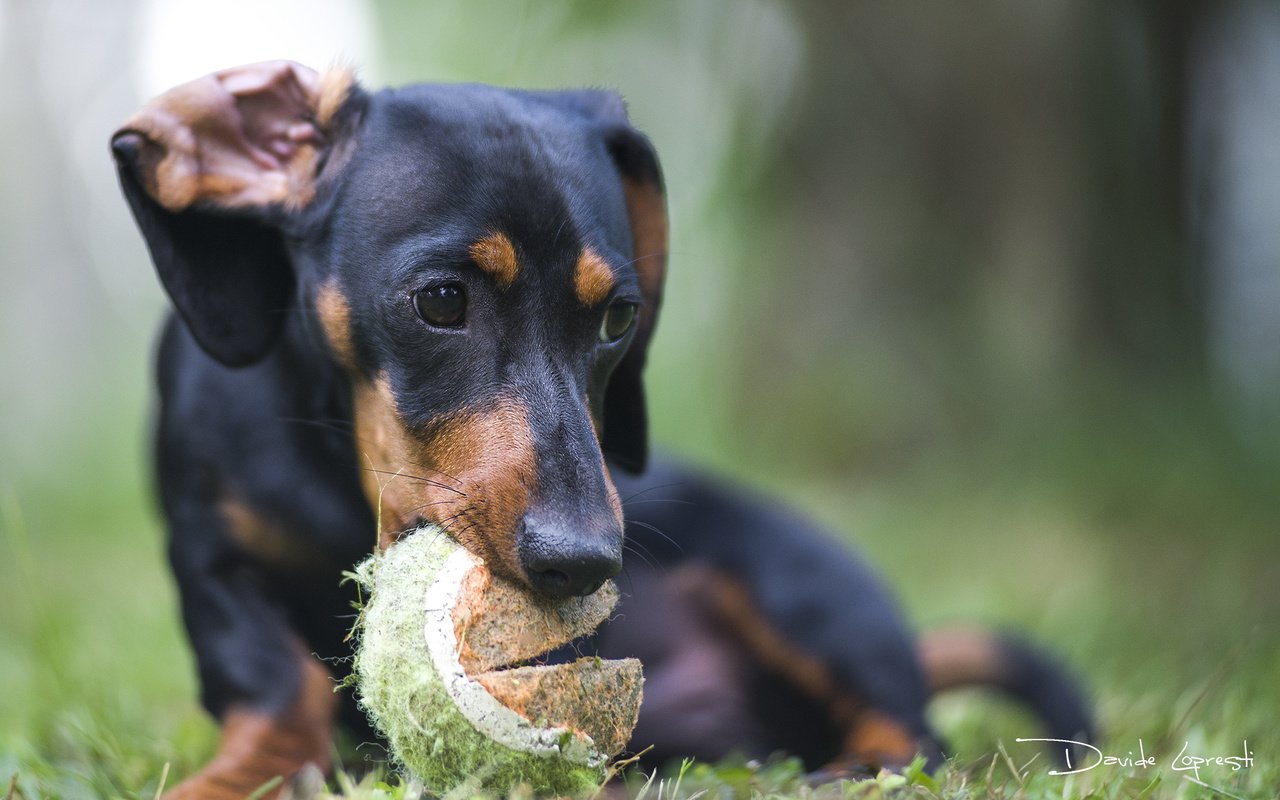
point(496, 255)
point(592, 278)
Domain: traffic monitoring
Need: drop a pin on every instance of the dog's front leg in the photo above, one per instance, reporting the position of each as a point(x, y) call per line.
point(260, 748)
point(273, 699)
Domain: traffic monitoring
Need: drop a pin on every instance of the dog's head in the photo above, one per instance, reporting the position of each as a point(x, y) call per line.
point(484, 265)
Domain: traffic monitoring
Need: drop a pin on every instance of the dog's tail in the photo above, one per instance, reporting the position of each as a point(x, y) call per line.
point(960, 657)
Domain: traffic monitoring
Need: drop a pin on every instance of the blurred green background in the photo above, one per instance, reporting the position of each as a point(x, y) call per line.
point(991, 289)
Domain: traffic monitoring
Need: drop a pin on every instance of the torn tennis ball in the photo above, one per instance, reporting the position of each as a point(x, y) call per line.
point(437, 670)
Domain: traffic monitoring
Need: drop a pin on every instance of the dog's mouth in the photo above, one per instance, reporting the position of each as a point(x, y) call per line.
point(503, 635)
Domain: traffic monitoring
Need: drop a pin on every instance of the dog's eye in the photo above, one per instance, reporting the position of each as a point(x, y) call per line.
point(444, 306)
point(617, 321)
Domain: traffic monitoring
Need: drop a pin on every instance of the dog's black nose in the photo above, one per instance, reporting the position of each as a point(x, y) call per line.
point(563, 562)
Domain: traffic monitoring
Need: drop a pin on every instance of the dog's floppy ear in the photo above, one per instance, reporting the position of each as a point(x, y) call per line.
point(210, 169)
point(626, 426)
point(626, 422)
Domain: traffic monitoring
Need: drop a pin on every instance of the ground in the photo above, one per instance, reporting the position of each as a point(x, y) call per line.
point(1147, 559)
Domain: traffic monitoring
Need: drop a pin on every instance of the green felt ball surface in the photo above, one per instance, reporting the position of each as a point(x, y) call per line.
point(442, 723)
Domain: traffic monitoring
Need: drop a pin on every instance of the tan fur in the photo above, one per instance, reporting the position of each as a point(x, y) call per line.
point(472, 472)
point(336, 84)
point(248, 136)
point(874, 739)
point(254, 534)
point(732, 605)
point(592, 278)
point(335, 318)
point(648, 212)
point(267, 542)
point(960, 657)
point(871, 737)
point(496, 255)
point(611, 491)
point(257, 746)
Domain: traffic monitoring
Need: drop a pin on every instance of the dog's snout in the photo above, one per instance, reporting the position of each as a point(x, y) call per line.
point(560, 561)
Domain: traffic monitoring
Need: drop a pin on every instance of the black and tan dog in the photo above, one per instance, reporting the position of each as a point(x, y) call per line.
point(433, 304)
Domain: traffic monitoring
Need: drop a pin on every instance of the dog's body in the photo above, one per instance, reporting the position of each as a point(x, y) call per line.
point(432, 304)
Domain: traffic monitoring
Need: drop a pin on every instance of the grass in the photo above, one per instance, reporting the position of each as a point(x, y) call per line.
point(1138, 539)
point(1146, 556)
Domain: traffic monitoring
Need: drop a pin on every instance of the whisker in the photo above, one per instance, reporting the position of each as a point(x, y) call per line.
point(656, 530)
point(659, 500)
point(439, 532)
point(458, 533)
point(638, 547)
point(447, 521)
point(638, 259)
point(348, 427)
point(448, 524)
point(436, 470)
point(563, 222)
point(432, 503)
point(331, 424)
point(626, 573)
point(646, 559)
point(427, 481)
point(648, 489)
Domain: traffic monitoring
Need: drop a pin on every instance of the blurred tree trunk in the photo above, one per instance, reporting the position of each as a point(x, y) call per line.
point(1003, 184)
point(1145, 298)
